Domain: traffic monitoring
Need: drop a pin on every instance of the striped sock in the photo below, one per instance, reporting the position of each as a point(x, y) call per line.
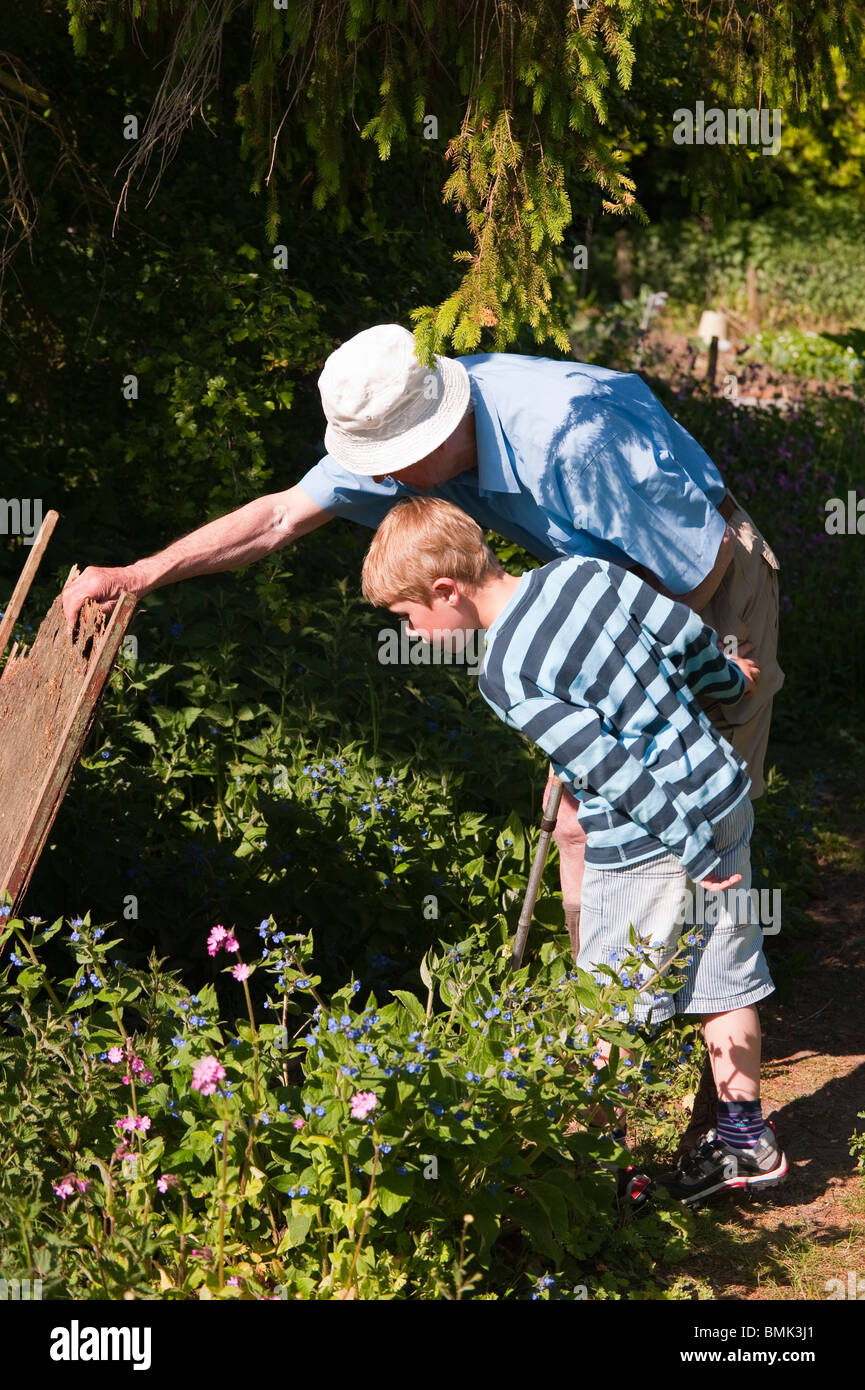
point(740, 1123)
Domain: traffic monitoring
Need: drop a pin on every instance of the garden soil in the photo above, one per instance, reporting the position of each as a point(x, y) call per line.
point(790, 1243)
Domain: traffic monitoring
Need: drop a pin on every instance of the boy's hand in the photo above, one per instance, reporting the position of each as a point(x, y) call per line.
point(717, 885)
point(750, 670)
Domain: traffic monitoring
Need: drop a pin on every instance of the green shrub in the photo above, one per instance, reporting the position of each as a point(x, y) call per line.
point(395, 1150)
point(808, 257)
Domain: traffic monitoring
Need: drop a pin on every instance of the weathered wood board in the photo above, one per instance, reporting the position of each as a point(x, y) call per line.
point(48, 702)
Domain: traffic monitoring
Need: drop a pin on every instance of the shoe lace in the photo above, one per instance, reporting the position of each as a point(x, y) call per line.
point(707, 1148)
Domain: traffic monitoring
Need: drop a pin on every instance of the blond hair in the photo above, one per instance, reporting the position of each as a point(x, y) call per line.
point(420, 540)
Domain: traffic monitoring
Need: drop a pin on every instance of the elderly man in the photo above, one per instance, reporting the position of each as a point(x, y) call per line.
point(563, 457)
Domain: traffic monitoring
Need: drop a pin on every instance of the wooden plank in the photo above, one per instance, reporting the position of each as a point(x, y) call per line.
point(48, 703)
point(22, 588)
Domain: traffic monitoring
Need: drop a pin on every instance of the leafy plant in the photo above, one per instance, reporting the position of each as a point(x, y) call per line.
point(396, 1150)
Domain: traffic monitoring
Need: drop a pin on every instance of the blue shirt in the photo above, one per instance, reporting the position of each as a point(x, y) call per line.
point(603, 673)
point(572, 460)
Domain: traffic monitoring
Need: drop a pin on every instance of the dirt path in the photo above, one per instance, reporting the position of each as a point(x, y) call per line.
point(811, 1229)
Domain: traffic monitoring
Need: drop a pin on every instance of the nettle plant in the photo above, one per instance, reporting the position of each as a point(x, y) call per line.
point(343, 1148)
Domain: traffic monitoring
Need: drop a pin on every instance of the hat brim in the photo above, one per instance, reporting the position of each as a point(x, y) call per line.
point(374, 456)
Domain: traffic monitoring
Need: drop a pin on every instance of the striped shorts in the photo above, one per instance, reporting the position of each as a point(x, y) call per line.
point(727, 968)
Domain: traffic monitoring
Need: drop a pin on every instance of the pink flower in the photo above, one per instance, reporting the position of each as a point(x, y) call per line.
point(298, 1123)
point(240, 972)
point(231, 943)
point(362, 1102)
point(215, 939)
point(206, 1074)
point(234, 1281)
point(130, 1122)
point(145, 1075)
point(66, 1186)
point(167, 1180)
point(115, 1054)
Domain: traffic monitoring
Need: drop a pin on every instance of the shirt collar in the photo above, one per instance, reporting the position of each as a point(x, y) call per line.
point(519, 592)
point(495, 468)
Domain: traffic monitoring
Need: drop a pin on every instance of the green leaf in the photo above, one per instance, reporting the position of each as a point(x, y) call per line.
point(616, 1036)
point(447, 992)
point(394, 1190)
point(587, 997)
point(487, 1221)
point(567, 1186)
point(299, 1223)
point(30, 977)
point(142, 732)
point(553, 1204)
point(201, 1143)
point(424, 973)
point(411, 1003)
point(534, 1221)
point(513, 830)
point(284, 1182)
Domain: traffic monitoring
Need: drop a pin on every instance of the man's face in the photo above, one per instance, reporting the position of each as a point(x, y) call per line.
point(455, 455)
point(428, 473)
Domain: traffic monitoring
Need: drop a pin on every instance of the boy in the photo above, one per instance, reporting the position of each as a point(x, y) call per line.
point(603, 673)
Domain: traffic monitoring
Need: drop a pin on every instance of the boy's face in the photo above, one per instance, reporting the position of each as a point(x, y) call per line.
point(449, 610)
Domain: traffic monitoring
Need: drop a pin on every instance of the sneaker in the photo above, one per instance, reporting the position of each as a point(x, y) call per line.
point(633, 1189)
point(714, 1166)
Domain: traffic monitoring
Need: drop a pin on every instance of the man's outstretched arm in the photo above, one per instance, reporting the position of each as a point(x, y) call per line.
point(231, 542)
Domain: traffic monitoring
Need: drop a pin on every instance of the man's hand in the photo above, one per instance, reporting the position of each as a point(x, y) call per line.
point(717, 885)
point(103, 585)
point(750, 670)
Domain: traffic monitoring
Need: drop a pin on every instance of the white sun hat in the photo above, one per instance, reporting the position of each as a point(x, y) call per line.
point(384, 409)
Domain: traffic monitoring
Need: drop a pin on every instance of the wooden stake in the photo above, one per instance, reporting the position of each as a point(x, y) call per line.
point(624, 265)
point(753, 298)
point(713, 363)
point(548, 825)
point(22, 588)
point(66, 747)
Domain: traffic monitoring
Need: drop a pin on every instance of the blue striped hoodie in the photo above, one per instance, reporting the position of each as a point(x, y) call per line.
point(602, 672)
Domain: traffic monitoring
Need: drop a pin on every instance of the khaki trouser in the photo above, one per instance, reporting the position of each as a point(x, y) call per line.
point(745, 606)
